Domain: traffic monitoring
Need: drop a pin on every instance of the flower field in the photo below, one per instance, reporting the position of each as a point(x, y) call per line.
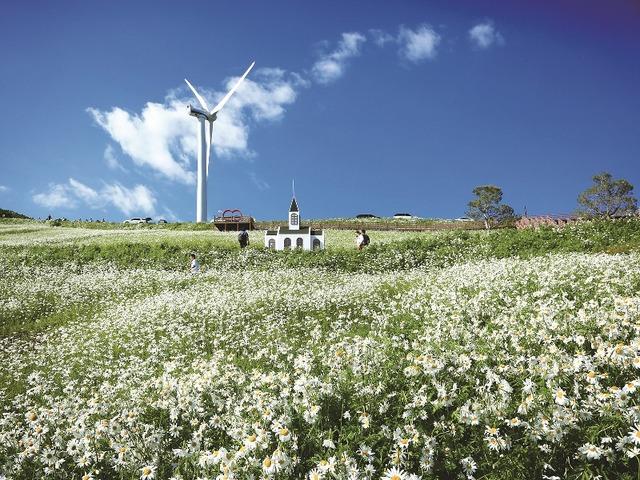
point(469, 363)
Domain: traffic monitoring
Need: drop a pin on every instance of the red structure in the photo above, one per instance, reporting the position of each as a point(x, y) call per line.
point(232, 220)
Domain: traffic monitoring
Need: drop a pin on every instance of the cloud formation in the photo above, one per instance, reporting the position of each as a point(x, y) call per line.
point(163, 136)
point(419, 44)
point(4, 189)
point(259, 183)
point(136, 200)
point(57, 196)
point(111, 160)
point(484, 35)
point(380, 38)
point(331, 66)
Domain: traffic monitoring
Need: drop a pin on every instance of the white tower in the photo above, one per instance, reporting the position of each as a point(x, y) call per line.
point(294, 215)
point(204, 152)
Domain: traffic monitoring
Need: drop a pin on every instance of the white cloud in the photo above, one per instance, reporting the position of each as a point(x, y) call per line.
point(331, 66)
point(130, 200)
point(484, 35)
point(380, 37)
point(111, 159)
point(169, 215)
point(258, 182)
point(57, 196)
point(4, 189)
point(163, 136)
point(150, 138)
point(136, 200)
point(84, 193)
point(419, 44)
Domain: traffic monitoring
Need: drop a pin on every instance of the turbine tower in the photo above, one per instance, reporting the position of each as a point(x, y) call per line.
point(204, 151)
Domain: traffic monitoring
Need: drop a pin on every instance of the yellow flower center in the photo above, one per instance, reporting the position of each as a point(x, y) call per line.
point(146, 471)
point(266, 463)
point(251, 438)
point(283, 432)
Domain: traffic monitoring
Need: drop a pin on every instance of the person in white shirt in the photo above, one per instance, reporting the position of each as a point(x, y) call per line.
point(359, 239)
point(195, 266)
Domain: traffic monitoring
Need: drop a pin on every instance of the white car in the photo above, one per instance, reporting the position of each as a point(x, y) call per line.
point(135, 220)
point(406, 216)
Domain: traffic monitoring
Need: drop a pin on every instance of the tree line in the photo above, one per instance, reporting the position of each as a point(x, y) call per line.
point(606, 198)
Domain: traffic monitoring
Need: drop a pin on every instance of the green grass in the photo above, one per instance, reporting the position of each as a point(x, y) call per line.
point(389, 250)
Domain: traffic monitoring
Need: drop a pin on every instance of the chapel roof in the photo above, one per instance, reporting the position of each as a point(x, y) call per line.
point(288, 231)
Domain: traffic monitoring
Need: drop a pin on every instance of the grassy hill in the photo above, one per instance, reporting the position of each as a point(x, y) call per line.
point(11, 214)
point(158, 247)
point(503, 355)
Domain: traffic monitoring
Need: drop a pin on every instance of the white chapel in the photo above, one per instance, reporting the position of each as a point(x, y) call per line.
point(295, 235)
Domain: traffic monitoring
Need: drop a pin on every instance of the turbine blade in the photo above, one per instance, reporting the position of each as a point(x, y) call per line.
point(203, 104)
point(209, 146)
point(232, 91)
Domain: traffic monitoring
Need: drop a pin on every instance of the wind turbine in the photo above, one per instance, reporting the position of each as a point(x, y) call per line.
point(204, 152)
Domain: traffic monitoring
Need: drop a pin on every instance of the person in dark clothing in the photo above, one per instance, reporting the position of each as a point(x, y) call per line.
point(243, 238)
point(365, 238)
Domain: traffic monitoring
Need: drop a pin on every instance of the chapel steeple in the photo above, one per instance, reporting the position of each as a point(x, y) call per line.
point(294, 215)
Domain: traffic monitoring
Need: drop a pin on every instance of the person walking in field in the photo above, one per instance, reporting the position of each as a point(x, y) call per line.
point(359, 239)
point(195, 266)
point(243, 238)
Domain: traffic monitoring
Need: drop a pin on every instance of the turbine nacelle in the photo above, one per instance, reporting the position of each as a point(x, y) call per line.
point(197, 112)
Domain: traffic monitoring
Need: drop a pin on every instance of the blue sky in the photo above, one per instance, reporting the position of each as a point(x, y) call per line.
point(372, 106)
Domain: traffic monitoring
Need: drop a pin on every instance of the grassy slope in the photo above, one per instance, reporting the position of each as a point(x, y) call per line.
point(168, 250)
point(11, 214)
point(389, 251)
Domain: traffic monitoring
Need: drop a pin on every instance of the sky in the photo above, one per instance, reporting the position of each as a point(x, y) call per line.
point(370, 106)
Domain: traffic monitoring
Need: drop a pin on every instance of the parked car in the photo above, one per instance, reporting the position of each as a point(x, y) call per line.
point(134, 220)
point(464, 219)
point(404, 215)
point(162, 220)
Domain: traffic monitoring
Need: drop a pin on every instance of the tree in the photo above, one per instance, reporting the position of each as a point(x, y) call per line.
point(487, 207)
point(608, 197)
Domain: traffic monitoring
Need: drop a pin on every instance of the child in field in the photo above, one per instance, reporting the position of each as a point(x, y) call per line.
point(359, 239)
point(195, 266)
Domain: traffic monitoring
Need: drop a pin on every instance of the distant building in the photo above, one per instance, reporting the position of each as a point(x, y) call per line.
point(295, 235)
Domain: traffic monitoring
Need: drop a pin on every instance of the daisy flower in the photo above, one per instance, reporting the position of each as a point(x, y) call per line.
point(394, 473)
point(148, 472)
